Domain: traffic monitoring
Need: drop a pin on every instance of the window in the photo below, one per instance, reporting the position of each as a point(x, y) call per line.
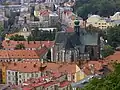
point(20, 81)
point(9, 78)
point(73, 77)
point(32, 75)
point(13, 78)
point(27, 74)
point(12, 73)
point(8, 72)
point(36, 75)
point(19, 76)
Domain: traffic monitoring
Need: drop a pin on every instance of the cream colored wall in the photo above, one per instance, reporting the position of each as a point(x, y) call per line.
point(115, 17)
point(102, 24)
point(93, 20)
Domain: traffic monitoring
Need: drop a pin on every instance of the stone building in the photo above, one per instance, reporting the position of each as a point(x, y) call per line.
point(77, 45)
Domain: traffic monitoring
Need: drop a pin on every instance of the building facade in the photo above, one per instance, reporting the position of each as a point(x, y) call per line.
point(77, 45)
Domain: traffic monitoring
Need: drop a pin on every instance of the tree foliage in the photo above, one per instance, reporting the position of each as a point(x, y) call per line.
point(20, 46)
point(40, 35)
point(113, 36)
point(17, 38)
point(100, 7)
point(107, 50)
point(110, 82)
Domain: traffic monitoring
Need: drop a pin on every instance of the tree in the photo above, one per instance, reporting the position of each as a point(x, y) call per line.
point(107, 50)
point(100, 7)
point(1, 29)
point(20, 46)
point(91, 28)
point(40, 35)
point(109, 82)
point(113, 36)
point(17, 38)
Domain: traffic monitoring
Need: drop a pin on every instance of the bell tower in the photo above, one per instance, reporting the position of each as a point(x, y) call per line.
point(77, 27)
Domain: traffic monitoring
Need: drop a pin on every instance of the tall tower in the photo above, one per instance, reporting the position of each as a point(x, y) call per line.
point(77, 27)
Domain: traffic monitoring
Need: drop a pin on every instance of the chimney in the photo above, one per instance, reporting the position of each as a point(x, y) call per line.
point(34, 65)
point(25, 66)
point(28, 41)
point(34, 42)
point(15, 64)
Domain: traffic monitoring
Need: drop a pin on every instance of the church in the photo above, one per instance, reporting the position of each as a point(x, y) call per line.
point(78, 45)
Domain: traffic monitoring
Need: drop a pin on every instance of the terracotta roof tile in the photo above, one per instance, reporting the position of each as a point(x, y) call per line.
point(93, 65)
point(44, 13)
point(113, 58)
point(24, 66)
point(8, 44)
point(22, 54)
point(49, 84)
point(64, 83)
point(69, 68)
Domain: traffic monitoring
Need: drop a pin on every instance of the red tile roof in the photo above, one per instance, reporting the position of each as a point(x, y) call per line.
point(27, 88)
point(23, 54)
point(50, 83)
point(8, 44)
point(44, 13)
point(56, 74)
point(64, 84)
point(113, 58)
point(26, 67)
point(59, 67)
point(93, 65)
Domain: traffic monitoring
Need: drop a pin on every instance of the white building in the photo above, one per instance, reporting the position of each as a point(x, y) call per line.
point(116, 16)
point(54, 1)
point(19, 72)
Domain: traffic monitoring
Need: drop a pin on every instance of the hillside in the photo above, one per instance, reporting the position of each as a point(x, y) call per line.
point(100, 7)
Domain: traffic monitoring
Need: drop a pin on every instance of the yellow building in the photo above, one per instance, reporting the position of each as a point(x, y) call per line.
point(99, 22)
point(102, 24)
point(3, 74)
point(79, 75)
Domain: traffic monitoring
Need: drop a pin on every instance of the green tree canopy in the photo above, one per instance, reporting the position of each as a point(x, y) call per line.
point(107, 50)
point(113, 36)
point(110, 82)
point(20, 46)
point(17, 38)
point(100, 7)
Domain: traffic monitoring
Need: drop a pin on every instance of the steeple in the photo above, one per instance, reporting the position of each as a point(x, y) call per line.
point(77, 27)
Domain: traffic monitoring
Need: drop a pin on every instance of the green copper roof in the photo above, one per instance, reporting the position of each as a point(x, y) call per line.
point(76, 22)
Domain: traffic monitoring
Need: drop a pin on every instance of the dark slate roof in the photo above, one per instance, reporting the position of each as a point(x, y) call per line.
point(61, 37)
point(90, 39)
point(71, 40)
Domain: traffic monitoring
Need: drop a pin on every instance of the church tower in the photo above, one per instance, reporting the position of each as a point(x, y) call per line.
point(77, 27)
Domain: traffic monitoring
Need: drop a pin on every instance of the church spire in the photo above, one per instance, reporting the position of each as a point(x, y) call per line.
point(77, 26)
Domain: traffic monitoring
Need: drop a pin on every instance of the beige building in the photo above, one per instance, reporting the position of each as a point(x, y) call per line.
point(116, 16)
point(99, 22)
